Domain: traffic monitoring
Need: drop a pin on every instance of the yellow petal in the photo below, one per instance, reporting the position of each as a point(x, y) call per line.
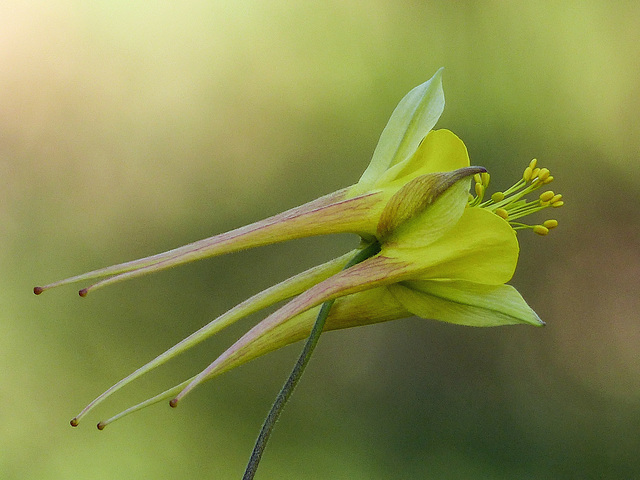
point(440, 151)
point(465, 303)
point(480, 248)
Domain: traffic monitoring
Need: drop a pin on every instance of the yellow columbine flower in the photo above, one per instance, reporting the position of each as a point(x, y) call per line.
point(435, 250)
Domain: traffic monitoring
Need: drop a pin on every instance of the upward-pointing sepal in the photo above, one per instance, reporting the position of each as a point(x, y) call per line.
point(411, 121)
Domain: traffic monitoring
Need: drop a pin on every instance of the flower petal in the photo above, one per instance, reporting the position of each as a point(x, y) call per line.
point(440, 151)
point(412, 119)
point(480, 248)
point(465, 303)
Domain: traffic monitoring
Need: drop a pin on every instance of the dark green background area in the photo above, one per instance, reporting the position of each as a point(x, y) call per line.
point(128, 130)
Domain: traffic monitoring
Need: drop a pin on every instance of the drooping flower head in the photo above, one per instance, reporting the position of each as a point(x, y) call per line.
point(436, 250)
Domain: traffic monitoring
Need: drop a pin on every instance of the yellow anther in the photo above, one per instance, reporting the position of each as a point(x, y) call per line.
point(485, 178)
point(512, 204)
point(497, 197)
point(540, 229)
point(501, 212)
point(471, 198)
point(546, 196)
point(543, 174)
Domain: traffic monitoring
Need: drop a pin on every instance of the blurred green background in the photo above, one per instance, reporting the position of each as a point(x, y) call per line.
point(128, 128)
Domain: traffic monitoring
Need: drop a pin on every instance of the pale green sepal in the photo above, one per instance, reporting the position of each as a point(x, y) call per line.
point(415, 115)
point(465, 303)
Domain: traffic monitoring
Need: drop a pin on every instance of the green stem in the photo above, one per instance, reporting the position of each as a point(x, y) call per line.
point(298, 369)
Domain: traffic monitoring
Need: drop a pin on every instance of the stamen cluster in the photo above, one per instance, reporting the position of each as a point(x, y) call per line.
point(512, 204)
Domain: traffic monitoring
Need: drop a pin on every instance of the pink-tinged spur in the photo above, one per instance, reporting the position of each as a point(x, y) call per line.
point(442, 253)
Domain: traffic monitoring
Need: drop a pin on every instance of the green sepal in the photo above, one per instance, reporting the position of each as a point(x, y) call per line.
point(465, 303)
point(415, 115)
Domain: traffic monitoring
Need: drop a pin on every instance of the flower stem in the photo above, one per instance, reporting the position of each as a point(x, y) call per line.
point(298, 369)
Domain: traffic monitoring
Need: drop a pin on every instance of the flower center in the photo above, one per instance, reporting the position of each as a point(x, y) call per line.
point(512, 204)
